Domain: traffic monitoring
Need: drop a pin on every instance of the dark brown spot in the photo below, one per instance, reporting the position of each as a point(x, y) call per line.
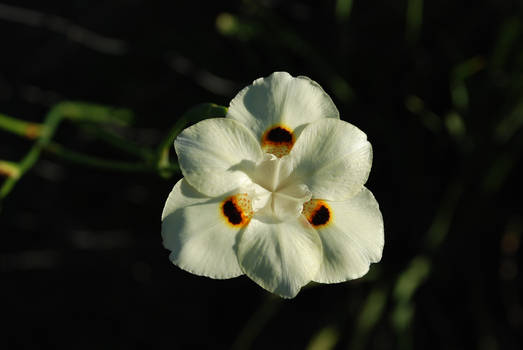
point(279, 135)
point(231, 212)
point(321, 216)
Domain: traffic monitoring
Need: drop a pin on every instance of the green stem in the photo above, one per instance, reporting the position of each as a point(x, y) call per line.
point(9, 169)
point(257, 322)
point(70, 110)
point(343, 9)
point(95, 114)
point(121, 143)
point(96, 162)
point(414, 19)
point(51, 122)
point(193, 115)
point(79, 111)
point(21, 128)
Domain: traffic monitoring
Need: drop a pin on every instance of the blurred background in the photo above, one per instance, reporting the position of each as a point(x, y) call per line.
point(436, 85)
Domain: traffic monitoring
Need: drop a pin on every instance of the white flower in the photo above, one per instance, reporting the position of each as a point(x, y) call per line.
point(275, 191)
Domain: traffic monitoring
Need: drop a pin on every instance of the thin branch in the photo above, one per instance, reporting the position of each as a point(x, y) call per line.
point(63, 26)
point(69, 110)
point(257, 323)
point(205, 79)
point(121, 143)
point(197, 113)
point(19, 127)
point(101, 163)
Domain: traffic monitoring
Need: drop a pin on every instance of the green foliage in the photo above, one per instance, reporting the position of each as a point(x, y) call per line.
point(94, 117)
point(414, 20)
point(343, 8)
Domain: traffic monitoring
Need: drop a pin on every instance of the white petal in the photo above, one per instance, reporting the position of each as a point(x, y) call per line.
point(353, 239)
point(198, 237)
point(333, 158)
point(214, 153)
point(280, 257)
point(281, 99)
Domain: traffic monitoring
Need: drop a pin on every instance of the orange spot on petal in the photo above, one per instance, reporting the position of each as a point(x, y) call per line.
point(237, 210)
point(318, 213)
point(278, 140)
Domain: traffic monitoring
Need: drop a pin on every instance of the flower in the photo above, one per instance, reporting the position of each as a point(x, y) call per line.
point(275, 191)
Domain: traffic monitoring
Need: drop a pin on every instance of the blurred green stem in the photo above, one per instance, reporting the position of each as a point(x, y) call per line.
point(9, 169)
point(193, 115)
point(403, 288)
point(91, 116)
point(343, 9)
point(45, 131)
point(256, 323)
point(101, 163)
point(460, 73)
point(371, 312)
point(117, 141)
point(21, 128)
point(414, 19)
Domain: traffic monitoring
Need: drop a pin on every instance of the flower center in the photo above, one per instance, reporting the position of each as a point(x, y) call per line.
point(278, 195)
point(278, 140)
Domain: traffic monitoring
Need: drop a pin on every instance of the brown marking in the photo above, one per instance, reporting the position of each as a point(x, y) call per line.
point(278, 140)
point(318, 213)
point(237, 210)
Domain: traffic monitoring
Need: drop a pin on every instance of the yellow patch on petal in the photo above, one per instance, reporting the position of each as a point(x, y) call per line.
point(237, 210)
point(318, 213)
point(278, 140)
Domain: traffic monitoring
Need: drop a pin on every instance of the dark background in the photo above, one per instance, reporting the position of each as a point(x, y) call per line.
point(440, 96)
